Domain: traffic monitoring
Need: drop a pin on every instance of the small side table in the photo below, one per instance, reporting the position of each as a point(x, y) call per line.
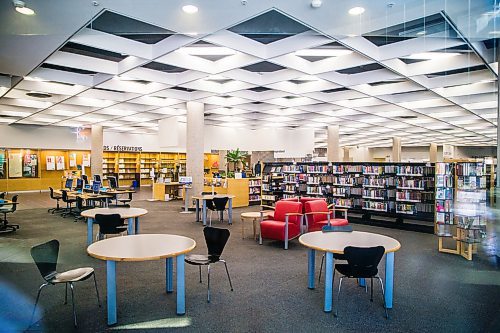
point(255, 218)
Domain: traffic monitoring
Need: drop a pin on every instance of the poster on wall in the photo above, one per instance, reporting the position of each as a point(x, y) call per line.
point(60, 162)
point(72, 160)
point(51, 163)
point(2, 162)
point(15, 165)
point(86, 160)
point(30, 162)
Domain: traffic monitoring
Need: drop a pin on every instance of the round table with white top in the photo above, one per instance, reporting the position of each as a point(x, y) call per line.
point(335, 242)
point(142, 248)
point(132, 215)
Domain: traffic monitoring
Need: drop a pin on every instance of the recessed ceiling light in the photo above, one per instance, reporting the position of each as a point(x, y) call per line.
point(22, 9)
point(432, 55)
point(356, 11)
point(190, 9)
point(322, 52)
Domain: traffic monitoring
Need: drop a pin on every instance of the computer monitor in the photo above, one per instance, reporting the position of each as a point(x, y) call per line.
point(85, 180)
point(79, 184)
point(97, 178)
point(96, 187)
point(69, 183)
point(113, 183)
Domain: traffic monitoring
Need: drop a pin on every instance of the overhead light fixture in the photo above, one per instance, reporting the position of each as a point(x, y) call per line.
point(209, 50)
point(322, 52)
point(421, 33)
point(190, 9)
point(356, 11)
point(432, 55)
point(316, 3)
point(22, 9)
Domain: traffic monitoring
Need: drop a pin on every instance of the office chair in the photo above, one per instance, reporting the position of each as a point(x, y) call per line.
point(97, 178)
point(79, 208)
point(6, 209)
point(112, 182)
point(362, 262)
point(69, 203)
point(111, 224)
point(216, 239)
point(45, 256)
point(85, 180)
point(219, 206)
point(2, 195)
point(56, 198)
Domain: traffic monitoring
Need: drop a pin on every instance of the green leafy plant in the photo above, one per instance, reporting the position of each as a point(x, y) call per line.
point(235, 157)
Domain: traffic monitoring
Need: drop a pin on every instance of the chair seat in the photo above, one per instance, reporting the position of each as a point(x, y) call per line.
point(347, 270)
point(272, 229)
point(73, 275)
point(317, 226)
point(200, 259)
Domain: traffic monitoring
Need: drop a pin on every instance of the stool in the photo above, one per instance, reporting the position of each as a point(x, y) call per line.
point(255, 218)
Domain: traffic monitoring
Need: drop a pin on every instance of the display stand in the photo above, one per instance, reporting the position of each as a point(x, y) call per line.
point(186, 200)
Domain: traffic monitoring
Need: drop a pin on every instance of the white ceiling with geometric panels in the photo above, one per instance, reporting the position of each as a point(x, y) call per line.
point(420, 79)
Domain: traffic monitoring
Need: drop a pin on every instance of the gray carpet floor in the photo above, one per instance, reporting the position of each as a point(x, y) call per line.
point(434, 292)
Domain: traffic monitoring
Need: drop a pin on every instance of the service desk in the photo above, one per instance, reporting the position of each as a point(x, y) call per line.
point(160, 189)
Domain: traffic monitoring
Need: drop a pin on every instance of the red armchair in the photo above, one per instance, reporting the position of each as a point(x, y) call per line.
point(318, 214)
point(286, 223)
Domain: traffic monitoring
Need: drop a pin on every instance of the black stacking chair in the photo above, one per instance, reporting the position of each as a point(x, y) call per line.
point(111, 224)
point(69, 203)
point(216, 239)
point(219, 206)
point(362, 263)
point(79, 208)
point(6, 209)
point(56, 198)
point(45, 256)
point(85, 180)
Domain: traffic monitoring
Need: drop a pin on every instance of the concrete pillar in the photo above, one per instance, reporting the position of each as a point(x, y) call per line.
point(433, 153)
point(222, 160)
point(333, 147)
point(448, 152)
point(396, 149)
point(346, 154)
point(195, 146)
point(96, 146)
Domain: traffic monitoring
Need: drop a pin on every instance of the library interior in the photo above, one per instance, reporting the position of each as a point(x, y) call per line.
point(321, 159)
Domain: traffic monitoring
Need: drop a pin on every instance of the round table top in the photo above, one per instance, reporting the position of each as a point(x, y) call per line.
point(141, 247)
point(124, 212)
point(209, 196)
point(335, 242)
point(254, 215)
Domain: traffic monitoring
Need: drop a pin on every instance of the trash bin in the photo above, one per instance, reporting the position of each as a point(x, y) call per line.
point(135, 184)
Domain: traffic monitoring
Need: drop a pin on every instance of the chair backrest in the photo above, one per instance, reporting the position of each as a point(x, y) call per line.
point(64, 195)
point(112, 182)
point(97, 178)
point(216, 239)
point(85, 180)
point(51, 192)
point(220, 202)
point(14, 207)
point(303, 200)
point(45, 257)
point(79, 203)
point(2, 195)
point(364, 260)
point(315, 206)
point(108, 223)
point(283, 207)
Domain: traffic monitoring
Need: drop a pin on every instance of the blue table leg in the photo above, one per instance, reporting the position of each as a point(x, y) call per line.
point(362, 282)
point(169, 272)
point(136, 225)
point(130, 226)
point(90, 230)
point(311, 256)
point(389, 278)
point(230, 211)
point(328, 281)
point(204, 213)
point(181, 292)
point(111, 290)
point(197, 210)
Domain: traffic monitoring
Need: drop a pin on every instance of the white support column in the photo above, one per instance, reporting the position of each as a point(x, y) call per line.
point(96, 146)
point(433, 152)
point(195, 146)
point(396, 149)
point(333, 146)
point(346, 158)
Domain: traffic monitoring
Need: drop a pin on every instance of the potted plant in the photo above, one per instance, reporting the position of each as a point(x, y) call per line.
point(236, 157)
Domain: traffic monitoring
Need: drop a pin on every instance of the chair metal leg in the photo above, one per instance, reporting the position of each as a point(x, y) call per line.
point(338, 297)
point(371, 289)
point(321, 268)
point(200, 272)
point(208, 288)
point(36, 302)
point(227, 271)
point(97, 291)
point(383, 296)
point(73, 302)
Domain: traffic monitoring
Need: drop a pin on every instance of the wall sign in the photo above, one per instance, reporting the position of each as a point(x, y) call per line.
point(122, 148)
